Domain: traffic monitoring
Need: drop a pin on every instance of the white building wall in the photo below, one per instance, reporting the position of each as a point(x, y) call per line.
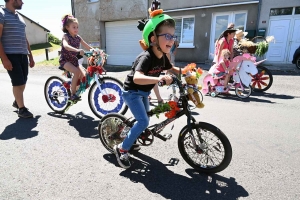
point(35, 34)
point(266, 5)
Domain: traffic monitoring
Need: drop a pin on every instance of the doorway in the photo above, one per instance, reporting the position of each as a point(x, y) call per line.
point(287, 38)
point(220, 22)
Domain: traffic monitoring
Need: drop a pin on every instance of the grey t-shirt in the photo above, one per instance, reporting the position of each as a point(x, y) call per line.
point(13, 34)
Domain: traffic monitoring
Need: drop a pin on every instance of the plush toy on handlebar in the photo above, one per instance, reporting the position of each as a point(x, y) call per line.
point(192, 75)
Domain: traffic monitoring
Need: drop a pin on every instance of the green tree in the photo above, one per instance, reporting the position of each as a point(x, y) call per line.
point(53, 39)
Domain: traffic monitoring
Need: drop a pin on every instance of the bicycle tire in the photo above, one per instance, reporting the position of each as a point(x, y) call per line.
point(101, 106)
point(107, 126)
point(207, 147)
point(56, 94)
point(263, 78)
point(298, 62)
point(243, 93)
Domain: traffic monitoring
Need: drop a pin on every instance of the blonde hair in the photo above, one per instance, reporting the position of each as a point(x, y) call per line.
point(225, 52)
point(66, 21)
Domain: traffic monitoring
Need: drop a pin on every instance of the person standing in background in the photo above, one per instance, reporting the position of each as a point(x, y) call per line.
point(15, 51)
point(172, 53)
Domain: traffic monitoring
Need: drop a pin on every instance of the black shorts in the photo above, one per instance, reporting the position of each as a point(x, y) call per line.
point(19, 72)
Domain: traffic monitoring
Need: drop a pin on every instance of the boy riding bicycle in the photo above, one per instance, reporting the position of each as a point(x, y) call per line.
point(158, 38)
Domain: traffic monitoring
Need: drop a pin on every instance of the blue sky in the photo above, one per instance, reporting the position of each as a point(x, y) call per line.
point(47, 13)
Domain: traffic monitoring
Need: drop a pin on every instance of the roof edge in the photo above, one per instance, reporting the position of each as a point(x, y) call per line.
point(34, 22)
point(212, 6)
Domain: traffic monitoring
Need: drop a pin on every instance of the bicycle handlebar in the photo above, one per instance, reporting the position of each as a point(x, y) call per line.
point(161, 83)
point(175, 80)
point(86, 53)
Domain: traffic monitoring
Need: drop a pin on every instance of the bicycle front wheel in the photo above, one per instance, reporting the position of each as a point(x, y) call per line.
point(263, 80)
point(56, 94)
point(206, 149)
point(107, 99)
point(243, 92)
point(109, 130)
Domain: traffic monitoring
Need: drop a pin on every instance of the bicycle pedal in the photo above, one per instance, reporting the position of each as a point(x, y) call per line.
point(168, 136)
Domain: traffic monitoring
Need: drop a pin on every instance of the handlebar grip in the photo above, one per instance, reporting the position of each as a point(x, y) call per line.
point(161, 83)
point(78, 56)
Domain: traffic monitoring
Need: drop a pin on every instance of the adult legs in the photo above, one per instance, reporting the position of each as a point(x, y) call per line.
point(18, 94)
point(18, 76)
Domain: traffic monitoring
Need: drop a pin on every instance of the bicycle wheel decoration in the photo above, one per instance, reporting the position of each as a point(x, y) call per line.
point(56, 94)
point(112, 130)
point(107, 98)
point(263, 80)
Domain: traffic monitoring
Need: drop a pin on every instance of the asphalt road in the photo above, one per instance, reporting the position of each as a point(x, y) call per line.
point(61, 157)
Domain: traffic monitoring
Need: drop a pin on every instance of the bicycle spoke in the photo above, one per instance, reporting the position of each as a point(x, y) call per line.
point(213, 151)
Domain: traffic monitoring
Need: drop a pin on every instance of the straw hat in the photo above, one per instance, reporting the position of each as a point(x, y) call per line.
point(229, 30)
point(240, 33)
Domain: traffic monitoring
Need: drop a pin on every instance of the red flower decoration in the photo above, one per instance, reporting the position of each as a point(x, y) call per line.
point(174, 108)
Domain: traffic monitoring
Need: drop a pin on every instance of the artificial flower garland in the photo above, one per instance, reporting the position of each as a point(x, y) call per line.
point(170, 108)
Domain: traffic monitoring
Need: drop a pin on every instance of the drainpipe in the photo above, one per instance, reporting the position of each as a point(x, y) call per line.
point(72, 7)
point(258, 15)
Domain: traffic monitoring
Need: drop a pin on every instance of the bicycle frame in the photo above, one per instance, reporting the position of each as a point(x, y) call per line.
point(89, 80)
point(156, 129)
point(98, 76)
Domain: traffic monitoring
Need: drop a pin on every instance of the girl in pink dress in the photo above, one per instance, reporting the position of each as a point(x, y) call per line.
point(226, 42)
point(222, 68)
point(70, 49)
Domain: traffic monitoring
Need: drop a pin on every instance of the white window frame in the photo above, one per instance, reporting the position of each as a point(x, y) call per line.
point(230, 19)
point(92, 1)
point(186, 45)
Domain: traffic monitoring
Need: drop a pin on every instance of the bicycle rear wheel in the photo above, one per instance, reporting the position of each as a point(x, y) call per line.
point(56, 94)
point(109, 130)
point(211, 152)
point(109, 99)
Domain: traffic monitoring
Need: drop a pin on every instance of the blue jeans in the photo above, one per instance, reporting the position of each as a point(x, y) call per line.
point(138, 103)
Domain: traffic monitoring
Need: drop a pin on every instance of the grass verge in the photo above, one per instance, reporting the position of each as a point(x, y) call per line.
point(38, 49)
point(49, 63)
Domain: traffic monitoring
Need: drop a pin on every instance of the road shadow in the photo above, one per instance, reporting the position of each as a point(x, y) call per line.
point(22, 129)
point(233, 97)
point(158, 179)
point(273, 95)
point(86, 126)
point(291, 72)
point(255, 97)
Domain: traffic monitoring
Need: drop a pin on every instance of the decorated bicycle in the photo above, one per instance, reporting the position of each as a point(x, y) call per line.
point(241, 69)
point(202, 145)
point(258, 46)
point(105, 91)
